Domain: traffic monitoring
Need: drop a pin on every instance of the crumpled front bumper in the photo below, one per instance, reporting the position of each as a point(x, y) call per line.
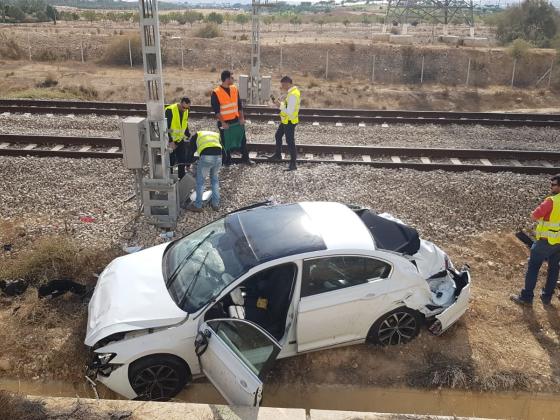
point(116, 379)
point(448, 317)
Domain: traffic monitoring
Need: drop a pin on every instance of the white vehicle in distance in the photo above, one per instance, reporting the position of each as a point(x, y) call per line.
point(259, 284)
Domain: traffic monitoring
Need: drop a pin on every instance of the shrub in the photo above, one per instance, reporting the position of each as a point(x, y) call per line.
point(244, 37)
point(49, 81)
point(9, 48)
point(117, 52)
point(210, 30)
point(519, 48)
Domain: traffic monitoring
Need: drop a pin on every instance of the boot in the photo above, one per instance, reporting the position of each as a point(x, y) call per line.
point(276, 157)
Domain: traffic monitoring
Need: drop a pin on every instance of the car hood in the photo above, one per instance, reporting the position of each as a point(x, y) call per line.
point(131, 295)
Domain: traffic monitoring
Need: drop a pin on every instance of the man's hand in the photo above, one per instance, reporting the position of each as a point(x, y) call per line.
point(172, 145)
point(225, 125)
point(241, 121)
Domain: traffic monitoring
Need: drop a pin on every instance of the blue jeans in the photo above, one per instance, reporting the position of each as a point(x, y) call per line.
point(208, 164)
point(541, 251)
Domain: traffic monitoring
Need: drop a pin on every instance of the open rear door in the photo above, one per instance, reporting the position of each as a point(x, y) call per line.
point(235, 354)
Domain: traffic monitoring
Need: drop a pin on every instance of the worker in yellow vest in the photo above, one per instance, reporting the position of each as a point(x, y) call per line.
point(228, 108)
point(177, 116)
point(545, 247)
point(289, 118)
point(207, 145)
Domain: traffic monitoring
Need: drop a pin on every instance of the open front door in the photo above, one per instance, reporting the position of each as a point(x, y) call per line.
point(235, 354)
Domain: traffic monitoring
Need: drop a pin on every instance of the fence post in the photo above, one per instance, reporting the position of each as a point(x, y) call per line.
point(550, 74)
point(281, 59)
point(29, 46)
point(422, 72)
point(373, 70)
point(327, 67)
point(468, 72)
point(513, 72)
point(182, 55)
point(130, 52)
point(82, 49)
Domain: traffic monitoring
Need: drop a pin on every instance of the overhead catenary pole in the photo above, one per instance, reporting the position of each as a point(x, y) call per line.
point(422, 72)
point(82, 49)
point(182, 55)
point(130, 52)
point(468, 72)
point(281, 59)
point(29, 45)
point(550, 74)
point(373, 69)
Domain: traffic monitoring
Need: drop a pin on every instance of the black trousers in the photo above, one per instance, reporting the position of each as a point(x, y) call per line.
point(226, 155)
point(289, 130)
point(179, 157)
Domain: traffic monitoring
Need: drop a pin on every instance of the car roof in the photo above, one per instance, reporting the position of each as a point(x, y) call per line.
point(281, 230)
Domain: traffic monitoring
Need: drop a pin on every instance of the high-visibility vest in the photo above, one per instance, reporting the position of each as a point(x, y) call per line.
point(285, 118)
point(229, 108)
point(205, 139)
point(550, 229)
point(178, 126)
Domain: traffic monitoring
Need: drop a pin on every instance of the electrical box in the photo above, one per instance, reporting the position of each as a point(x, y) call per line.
point(133, 132)
point(266, 82)
point(243, 87)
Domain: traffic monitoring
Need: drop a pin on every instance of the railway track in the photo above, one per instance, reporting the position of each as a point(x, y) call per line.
point(307, 115)
point(520, 161)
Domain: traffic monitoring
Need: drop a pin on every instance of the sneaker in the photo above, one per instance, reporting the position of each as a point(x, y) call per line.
point(519, 300)
point(275, 158)
point(195, 209)
point(215, 208)
point(292, 167)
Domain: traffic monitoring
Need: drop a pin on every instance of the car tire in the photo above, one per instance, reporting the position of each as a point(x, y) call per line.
point(396, 327)
point(158, 377)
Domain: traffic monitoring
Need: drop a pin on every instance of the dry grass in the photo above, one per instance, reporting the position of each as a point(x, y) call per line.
point(54, 258)
point(210, 30)
point(16, 407)
point(9, 48)
point(117, 54)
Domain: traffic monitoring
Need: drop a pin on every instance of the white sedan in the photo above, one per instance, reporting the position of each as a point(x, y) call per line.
point(264, 283)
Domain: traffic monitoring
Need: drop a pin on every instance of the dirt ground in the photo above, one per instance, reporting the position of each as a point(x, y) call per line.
point(93, 82)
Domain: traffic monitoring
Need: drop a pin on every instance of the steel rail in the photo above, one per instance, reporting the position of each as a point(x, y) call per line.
point(261, 113)
point(536, 162)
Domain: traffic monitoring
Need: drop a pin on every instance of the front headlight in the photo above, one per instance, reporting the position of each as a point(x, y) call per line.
point(104, 358)
point(101, 363)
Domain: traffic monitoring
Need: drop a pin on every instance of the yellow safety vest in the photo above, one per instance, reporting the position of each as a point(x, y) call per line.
point(205, 139)
point(551, 229)
point(293, 118)
point(178, 126)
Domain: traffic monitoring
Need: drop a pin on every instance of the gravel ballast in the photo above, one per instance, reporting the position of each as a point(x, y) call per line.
point(402, 135)
point(51, 195)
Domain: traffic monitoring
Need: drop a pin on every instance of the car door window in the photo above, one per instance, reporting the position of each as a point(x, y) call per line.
point(326, 274)
point(253, 346)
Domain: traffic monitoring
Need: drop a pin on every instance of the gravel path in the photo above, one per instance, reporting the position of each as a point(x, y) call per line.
point(50, 196)
point(453, 136)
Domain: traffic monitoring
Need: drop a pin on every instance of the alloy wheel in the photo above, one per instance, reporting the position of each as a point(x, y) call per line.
point(397, 328)
point(156, 382)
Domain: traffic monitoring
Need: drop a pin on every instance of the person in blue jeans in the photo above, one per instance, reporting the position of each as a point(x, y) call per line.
point(207, 145)
point(546, 247)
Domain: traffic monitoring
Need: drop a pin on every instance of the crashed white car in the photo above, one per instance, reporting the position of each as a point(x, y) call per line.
point(263, 283)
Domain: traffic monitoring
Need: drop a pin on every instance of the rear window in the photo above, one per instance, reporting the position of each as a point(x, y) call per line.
point(389, 234)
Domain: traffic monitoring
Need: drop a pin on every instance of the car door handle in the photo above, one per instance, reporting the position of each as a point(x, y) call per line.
point(369, 296)
point(243, 383)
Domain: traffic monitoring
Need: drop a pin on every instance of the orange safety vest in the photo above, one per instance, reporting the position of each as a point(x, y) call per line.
point(228, 103)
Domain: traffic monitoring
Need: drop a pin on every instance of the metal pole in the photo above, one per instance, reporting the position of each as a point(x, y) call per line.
point(130, 52)
point(422, 72)
point(82, 49)
point(550, 74)
point(468, 72)
point(327, 67)
point(513, 72)
point(373, 70)
point(281, 59)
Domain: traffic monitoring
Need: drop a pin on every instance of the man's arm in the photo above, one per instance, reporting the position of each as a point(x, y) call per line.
point(240, 110)
point(543, 211)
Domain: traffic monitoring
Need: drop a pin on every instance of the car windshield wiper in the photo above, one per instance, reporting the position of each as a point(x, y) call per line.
point(175, 273)
point(191, 286)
